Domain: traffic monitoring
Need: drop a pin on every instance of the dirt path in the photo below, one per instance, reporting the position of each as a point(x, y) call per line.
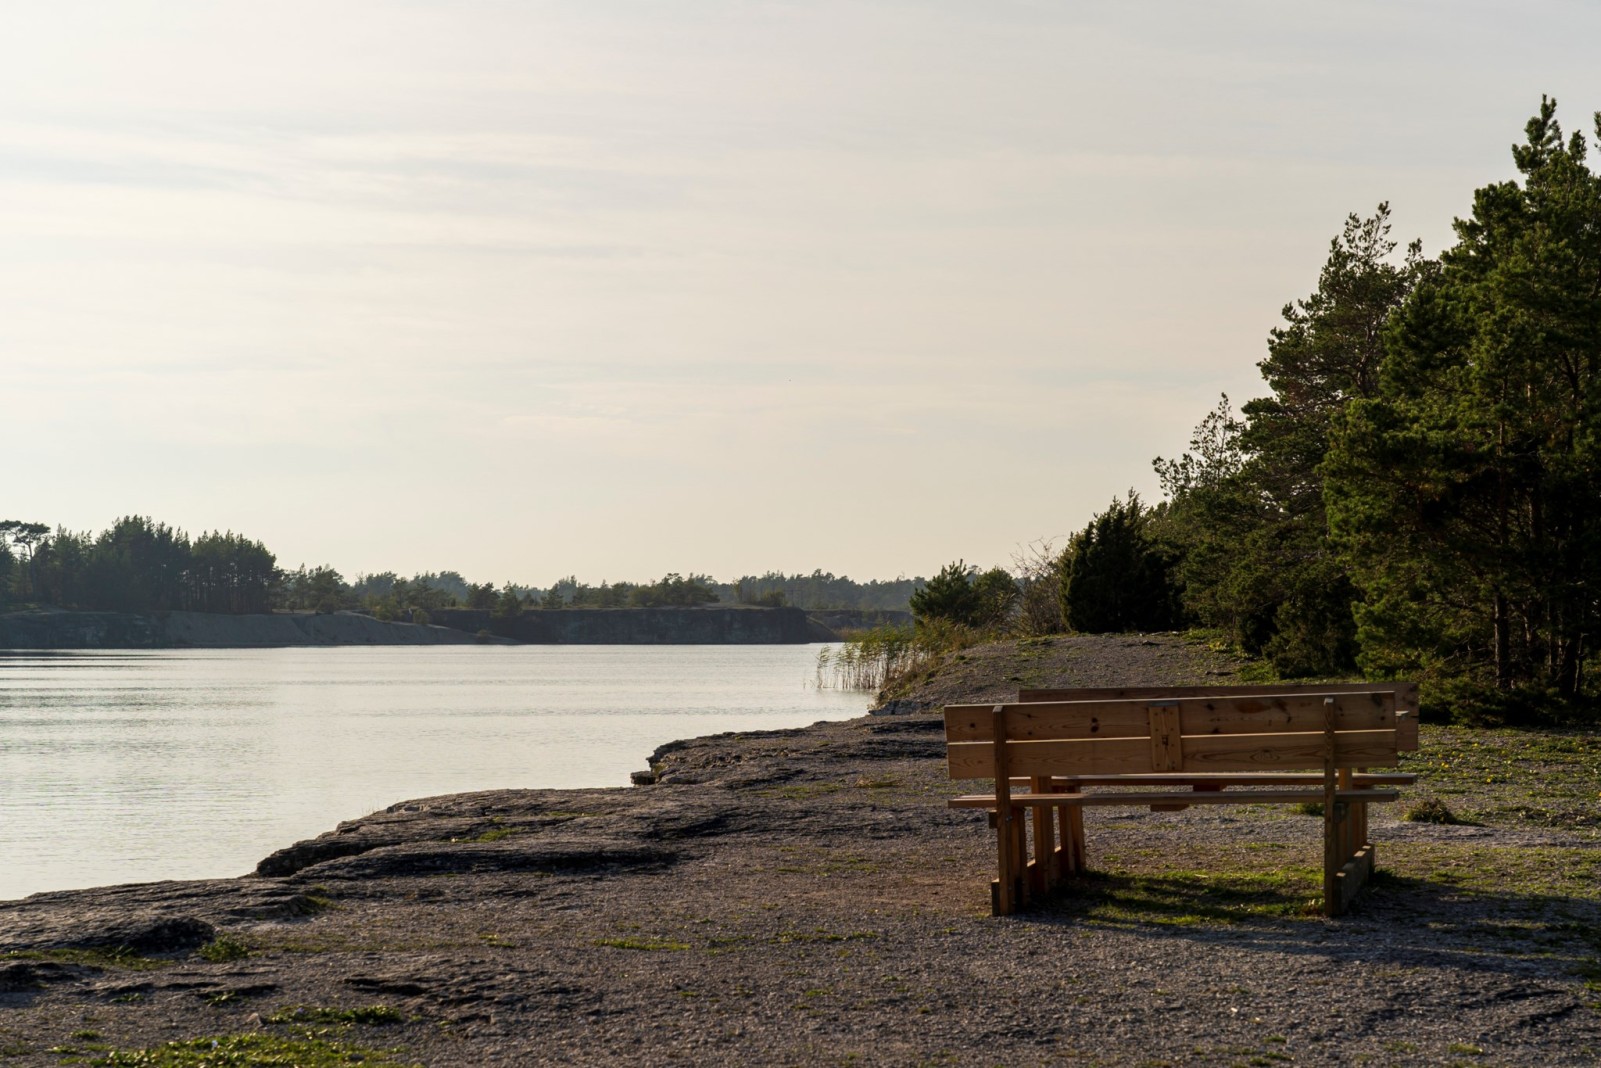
point(805, 897)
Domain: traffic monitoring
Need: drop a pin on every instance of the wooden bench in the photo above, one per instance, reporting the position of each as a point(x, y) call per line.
point(1055, 752)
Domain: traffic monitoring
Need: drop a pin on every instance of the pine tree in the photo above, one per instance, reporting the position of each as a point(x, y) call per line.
point(1464, 493)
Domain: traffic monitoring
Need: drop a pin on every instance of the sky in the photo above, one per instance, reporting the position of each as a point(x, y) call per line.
point(529, 289)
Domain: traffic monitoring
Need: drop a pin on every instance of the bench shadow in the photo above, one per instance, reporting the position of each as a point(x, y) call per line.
point(1418, 922)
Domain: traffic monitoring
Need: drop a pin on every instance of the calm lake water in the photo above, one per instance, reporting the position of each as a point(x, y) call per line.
point(133, 766)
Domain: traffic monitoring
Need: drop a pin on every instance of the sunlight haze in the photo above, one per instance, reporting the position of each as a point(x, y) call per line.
point(614, 289)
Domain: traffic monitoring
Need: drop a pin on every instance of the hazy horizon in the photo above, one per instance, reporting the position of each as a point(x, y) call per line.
point(620, 289)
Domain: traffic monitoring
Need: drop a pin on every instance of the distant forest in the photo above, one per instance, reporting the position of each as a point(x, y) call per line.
point(141, 565)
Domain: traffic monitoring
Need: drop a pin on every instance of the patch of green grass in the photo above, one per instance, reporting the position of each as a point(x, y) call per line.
point(1194, 898)
point(643, 944)
point(223, 949)
point(323, 942)
point(1257, 671)
point(1464, 1047)
point(252, 1051)
point(367, 1015)
point(1550, 871)
point(496, 835)
point(118, 957)
point(1548, 778)
point(785, 938)
point(810, 860)
point(803, 791)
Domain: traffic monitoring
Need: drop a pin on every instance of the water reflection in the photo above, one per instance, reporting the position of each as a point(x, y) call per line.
point(119, 767)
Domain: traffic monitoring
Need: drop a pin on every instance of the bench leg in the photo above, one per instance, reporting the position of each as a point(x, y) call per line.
point(1074, 815)
point(1009, 891)
point(1348, 857)
point(1020, 873)
point(1003, 896)
point(1043, 873)
point(1064, 844)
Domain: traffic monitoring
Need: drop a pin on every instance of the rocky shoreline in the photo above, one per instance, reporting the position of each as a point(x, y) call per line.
point(805, 897)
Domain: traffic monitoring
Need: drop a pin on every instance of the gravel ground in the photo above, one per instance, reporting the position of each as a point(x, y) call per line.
point(805, 897)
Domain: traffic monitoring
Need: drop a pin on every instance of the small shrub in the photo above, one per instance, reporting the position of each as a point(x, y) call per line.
point(1429, 810)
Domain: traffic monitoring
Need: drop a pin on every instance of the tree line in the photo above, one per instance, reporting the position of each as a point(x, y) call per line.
point(141, 565)
point(1419, 492)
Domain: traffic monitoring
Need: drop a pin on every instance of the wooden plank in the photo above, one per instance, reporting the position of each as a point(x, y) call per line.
point(1331, 815)
point(1137, 798)
point(1406, 731)
point(1253, 752)
point(1201, 715)
point(1084, 719)
point(1006, 899)
point(1021, 883)
point(1348, 820)
point(1044, 841)
point(1353, 873)
point(1073, 819)
point(1406, 692)
point(1216, 752)
point(1167, 746)
point(1235, 778)
point(1292, 713)
point(975, 760)
point(1406, 697)
point(1406, 708)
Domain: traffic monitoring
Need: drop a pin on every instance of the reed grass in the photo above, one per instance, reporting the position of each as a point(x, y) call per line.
point(874, 661)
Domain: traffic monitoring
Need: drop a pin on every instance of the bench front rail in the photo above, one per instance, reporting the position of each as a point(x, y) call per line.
point(1052, 758)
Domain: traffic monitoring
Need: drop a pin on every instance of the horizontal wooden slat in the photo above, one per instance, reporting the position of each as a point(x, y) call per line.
point(1090, 719)
point(1406, 731)
point(1206, 752)
point(1109, 756)
point(1284, 752)
point(1406, 692)
point(1039, 721)
point(1149, 797)
point(1367, 711)
point(1233, 778)
point(1406, 697)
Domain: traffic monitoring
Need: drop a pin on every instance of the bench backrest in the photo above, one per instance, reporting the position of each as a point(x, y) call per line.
point(1406, 697)
point(1201, 733)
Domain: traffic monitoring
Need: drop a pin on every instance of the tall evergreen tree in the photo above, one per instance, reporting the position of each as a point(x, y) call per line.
point(1464, 494)
point(1115, 577)
point(1247, 510)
